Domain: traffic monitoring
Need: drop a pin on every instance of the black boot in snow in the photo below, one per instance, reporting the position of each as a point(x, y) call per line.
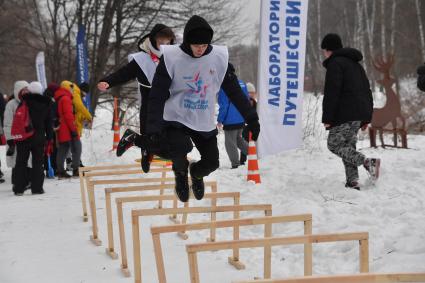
point(353, 185)
point(198, 187)
point(182, 186)
point(126, 141)
point(146, 160)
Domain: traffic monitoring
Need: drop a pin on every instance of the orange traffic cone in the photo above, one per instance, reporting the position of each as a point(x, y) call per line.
point(116, 126)
point(253, 171)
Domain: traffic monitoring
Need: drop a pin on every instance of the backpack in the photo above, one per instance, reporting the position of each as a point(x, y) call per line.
point(22, 128)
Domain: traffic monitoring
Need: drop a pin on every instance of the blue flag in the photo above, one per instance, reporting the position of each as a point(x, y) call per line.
point(82, 63)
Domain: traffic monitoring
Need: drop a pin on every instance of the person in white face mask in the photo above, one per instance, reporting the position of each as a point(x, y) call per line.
point(141, 66)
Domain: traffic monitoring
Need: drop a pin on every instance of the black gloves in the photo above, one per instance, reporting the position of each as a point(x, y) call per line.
point(11, 150)
point(254, 128)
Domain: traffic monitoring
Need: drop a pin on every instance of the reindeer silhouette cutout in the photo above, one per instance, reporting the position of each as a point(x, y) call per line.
point(392, 110)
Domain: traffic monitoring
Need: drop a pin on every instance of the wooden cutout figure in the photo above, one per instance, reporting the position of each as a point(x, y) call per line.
point(392, 110)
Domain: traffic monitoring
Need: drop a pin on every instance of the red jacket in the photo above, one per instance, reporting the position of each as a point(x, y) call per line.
point(65, 114)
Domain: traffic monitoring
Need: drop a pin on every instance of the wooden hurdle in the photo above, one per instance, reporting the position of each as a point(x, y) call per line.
point(193, 249)
point(98, 171)
point(266, 221)
point(90, 190)
point(120, 201)
point(82, 171)
point(135, 214)
point(352, 278)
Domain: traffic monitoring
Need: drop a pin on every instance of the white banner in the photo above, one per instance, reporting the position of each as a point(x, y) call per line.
point(281, 74)
point(41, 69)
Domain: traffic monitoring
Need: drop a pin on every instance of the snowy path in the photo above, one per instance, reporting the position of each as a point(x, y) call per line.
point(42, 238)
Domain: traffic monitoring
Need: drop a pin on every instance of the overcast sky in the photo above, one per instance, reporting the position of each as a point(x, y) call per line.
point(251, 8)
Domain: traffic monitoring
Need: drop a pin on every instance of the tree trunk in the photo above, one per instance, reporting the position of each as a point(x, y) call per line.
point(421, 29)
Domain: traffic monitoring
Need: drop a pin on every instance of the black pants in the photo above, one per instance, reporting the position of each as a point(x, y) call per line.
point(25, 177)
point(179, 142)
point(35, 146)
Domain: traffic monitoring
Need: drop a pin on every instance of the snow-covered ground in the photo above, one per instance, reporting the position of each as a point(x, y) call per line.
point(43, 238)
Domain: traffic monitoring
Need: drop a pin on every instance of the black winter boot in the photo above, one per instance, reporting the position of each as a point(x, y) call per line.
point(182, 186)
point(146, 160)
point(126, 141)
point(198, 187)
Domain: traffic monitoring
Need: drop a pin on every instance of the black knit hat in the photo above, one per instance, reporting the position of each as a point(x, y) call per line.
point(331, 42)
point(197, 31)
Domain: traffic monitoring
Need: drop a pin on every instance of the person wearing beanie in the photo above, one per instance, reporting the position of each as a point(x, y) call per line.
point(20, 90)
point(245, 132)
point(39, 112)
point(181, 106)
point(141, 67)
point(51, 149)
point(347, 107)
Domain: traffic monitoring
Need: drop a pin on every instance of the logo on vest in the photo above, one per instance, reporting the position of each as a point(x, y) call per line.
point(196, 92)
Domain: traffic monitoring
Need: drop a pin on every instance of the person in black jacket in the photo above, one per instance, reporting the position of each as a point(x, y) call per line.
point(142, 67)
point(39, 111)
point(421, 77)
point(182, 100)
point(2, 108)
point(347, 107)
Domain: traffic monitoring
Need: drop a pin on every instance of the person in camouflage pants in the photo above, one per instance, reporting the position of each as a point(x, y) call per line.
point(342, 141)
point(347, 107)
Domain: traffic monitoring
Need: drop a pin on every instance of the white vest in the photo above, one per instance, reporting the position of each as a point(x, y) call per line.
point(147, 65)
point(194, 87)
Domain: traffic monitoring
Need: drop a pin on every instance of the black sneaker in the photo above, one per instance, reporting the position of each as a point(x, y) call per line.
point(373, 165)
point(353, 185)
point(182, 186)
point(126, 141)
point(234, 166)
point(63, 175)
point(198, 187)
point(19, 194)
point(146, 161)
point(2, 180)
point(38, 193)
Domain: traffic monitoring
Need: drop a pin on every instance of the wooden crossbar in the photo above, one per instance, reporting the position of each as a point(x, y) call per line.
point(193, 249)
point(351, 278)
point(91, 171)
point(135, 214)
point(235, 223)
point(92, 201)
point(121, 200)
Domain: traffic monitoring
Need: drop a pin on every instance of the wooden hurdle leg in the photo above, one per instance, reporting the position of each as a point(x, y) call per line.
point(308, 249)
point(94, 238)
point(268, 249)
point(136, 249)
point(213, 215)
point(183, 234)
point(124, 262)
point(364, 256)
point(234, 259)
point(193, 267)
point(173, 217)
point(159, 258)
point(83, 196)
point(110, 249)
point(161, 191)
